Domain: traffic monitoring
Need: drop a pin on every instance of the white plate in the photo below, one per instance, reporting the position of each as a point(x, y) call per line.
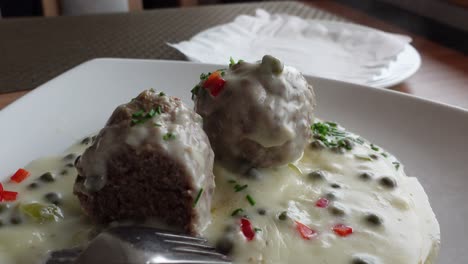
point(248, 37)
point(429, 138)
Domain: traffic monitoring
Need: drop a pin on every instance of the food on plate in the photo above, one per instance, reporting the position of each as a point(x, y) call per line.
point(151, 160)
point(329, 195)
point(256, 114)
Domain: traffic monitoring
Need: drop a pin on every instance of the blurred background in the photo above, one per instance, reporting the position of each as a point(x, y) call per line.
point(440, 20)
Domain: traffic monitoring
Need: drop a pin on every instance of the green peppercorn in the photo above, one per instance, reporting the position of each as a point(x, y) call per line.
point(335, 186)
point(69, 156)
point(331, 196)
point(336, 210)
point(85, 141)
point(365, 176)
point(53, 197)
point(261, 211)
point(32, 186)
point(47, 177)
point(373, 219)
point(388, 182)
point(283, 216)
point(317, 175)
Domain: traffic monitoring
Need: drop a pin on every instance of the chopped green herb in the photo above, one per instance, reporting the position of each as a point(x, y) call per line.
point(152, 90)
point(250, 199)
point(237, 211)
point(198, 197)
point(194, 91)
point(332, 135)
point(239, 188)
point(169, 136)
point(384, 154)
point(231, 62)
point(159, 110)
point(373, 147)
point(223, 73)
point(138, 114)
point(204, 76)
point(140, 117)
point(396, 164)
point(232, 181)
point(162, 94)
point(362, 157)
point(256, 229)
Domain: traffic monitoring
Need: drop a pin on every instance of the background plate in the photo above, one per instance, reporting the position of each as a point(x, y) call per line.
point(429, 138)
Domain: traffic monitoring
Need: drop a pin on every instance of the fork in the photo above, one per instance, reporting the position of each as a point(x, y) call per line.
point(140, 245)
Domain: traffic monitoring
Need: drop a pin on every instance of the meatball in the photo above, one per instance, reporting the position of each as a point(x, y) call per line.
point(152, 161)
point(256, 114)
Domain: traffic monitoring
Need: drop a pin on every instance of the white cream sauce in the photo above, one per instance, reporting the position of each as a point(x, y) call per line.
point(409, 233)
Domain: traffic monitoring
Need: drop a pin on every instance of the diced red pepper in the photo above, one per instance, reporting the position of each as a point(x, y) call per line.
point(246, 228)
point(9, 196)
point(1, 192)
point(322, 203)
point(305, 231)
point(214, 83)
point(20, 175)
point(343, 230)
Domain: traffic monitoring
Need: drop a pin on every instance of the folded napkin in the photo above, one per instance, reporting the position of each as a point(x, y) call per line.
point(334, 50)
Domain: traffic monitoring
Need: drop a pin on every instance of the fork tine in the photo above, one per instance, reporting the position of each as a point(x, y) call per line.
point(184, 243)
point(199, 251)
point(181, 237)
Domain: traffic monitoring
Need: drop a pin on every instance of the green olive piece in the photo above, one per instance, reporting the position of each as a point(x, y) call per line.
point(365, 176)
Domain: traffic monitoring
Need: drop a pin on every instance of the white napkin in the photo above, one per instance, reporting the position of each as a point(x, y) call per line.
point(327, 49)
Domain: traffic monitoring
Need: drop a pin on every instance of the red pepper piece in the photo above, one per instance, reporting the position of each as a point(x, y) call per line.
point(9, 196)
point(322, 203)
point(214, 83)
point(306, 232)
point(343, 230)
point(20, 175)
point(246, 228)
point(1, 192)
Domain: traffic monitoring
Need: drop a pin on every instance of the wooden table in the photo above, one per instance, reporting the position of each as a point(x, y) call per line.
point(443, 75)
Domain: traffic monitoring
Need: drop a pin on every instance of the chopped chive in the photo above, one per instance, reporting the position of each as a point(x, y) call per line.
point(250, 199)
point(237, 211)
point(231, 62)
point(159, 110)
point(151, 113)
point(256, 229)
point(198, 197)
point(239, 188)
point(361, 157)
point(162, 94)
point(283, 216)
point(152, 90)
point(138, 113)
point(384, 154)
point(169, 136)
point(396, 164)
point(373, 147)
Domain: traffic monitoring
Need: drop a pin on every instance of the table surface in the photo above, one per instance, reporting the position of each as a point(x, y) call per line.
point(442, 77)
